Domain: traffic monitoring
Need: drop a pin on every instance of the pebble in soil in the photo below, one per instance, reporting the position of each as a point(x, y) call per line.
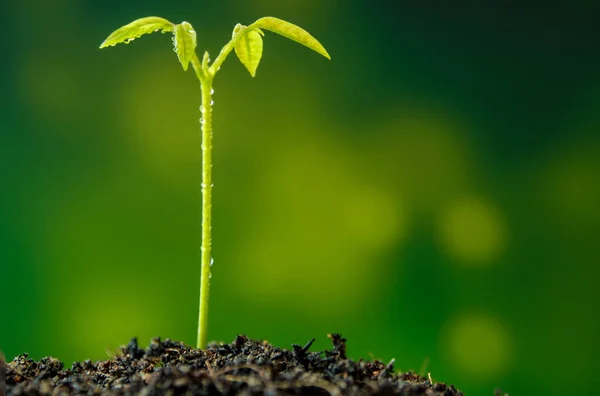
point(245, 367)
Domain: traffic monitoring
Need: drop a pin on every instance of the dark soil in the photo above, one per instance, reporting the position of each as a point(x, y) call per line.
point(243, 367)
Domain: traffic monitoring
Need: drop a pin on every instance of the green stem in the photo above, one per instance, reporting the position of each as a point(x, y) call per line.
point(205, 75)
point(206, 109)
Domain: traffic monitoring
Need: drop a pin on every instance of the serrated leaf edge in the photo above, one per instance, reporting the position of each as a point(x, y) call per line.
point(245, 42)
point(298, 34)
point(146, 25)
point(181, 32)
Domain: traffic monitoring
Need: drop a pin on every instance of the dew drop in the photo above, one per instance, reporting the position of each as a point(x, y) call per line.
point(202, 108)
point(212, 261)
point(212, 91)
point(212, 102)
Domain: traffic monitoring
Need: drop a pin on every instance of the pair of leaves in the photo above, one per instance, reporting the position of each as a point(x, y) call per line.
point(184, 36)
point(250, 46)
point(248, 40)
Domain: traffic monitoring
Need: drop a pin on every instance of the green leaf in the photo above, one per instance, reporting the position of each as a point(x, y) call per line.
point(135, 29)
point(184, 40)
point(249, 50)
point(291, 31)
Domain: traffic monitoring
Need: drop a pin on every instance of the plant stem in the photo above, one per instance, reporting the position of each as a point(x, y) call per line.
point(206, 121)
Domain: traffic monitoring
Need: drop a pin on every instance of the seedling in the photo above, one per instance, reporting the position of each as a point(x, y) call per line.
point(248, 45)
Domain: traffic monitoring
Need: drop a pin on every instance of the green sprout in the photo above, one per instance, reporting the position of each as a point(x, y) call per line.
point(248, 45)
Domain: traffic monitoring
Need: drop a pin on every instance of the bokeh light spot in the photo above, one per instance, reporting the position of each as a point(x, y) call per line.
point(426, 156)
point(569, 186)
point(320, 233)
point(373, 218)
point(472, 231)
point(478, 345)
point(162, 120)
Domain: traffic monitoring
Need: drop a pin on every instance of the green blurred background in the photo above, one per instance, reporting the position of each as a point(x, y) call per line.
point(432, 193)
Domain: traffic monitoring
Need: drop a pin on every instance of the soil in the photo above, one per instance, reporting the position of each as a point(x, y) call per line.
point(245, 367)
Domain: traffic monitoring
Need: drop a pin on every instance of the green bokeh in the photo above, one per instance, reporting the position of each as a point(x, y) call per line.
point(432, 193)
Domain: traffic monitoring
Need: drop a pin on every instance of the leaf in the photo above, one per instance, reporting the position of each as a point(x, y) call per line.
point(135, 29)
point(184, 40)
point(249, 50)
point(291, 31)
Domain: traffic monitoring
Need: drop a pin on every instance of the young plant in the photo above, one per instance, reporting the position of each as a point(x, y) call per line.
point(248, 45)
